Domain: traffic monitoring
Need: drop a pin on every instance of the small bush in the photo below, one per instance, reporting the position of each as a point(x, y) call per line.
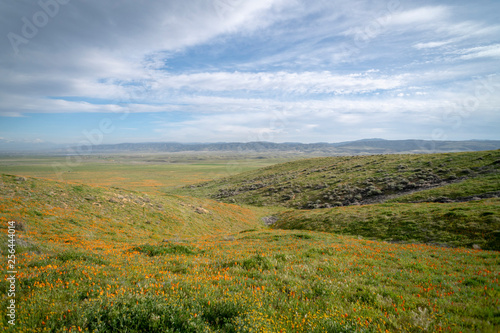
point(78, 188)
point(257, 262)
point(221, 314)
point(158, 250)
point(141, 314)
point(475, 281)
point(79, 256)
point(330, 326)
point(303, 236)
point(362, 296)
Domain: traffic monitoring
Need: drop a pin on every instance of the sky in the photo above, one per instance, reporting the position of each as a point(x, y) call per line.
point(74, 71)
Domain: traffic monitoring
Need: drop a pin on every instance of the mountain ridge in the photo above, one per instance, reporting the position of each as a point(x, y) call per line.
point(358, 147)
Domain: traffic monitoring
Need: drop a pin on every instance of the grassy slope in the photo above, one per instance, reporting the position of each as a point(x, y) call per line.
point(84, 266)
point(347, 181)
point(79, 214)
point(341, 181)
point(483, 185)
point(453, 224)
point(88, 259)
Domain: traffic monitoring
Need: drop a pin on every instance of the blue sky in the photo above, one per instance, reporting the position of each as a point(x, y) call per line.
point(238, 70)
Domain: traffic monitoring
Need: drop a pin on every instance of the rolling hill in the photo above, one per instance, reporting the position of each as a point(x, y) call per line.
point(344, 181)
point(79, 214)
point(346, 195)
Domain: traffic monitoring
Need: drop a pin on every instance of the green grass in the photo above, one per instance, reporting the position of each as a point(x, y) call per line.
point(150, 173)
point(296, 281)
point(454, 224)
point(467, 188)
point(152, 250)
point(94, 258)
point(80, 214)
point(341, 181)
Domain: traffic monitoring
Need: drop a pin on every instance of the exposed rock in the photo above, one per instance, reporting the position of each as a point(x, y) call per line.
point(476, 247)
point(201, 210)
point(269, 220)
point(21, 179)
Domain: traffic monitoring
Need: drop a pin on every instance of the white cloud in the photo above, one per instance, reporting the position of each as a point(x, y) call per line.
point(419, 15)
point(410, 19)
point(304, 82)
point(11, 114)
point(463, 30)
point(490, 51)
point(269, 120)
point(430, 45)
point(107, 57)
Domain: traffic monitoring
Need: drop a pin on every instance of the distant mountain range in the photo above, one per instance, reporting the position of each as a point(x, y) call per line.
point(366, 146)
point(360, 147)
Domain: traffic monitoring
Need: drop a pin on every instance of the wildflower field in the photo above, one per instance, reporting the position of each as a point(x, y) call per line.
point(100, 259)
point(147, 173)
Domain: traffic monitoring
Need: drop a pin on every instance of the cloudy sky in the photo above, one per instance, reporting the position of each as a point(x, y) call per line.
point(248, 70)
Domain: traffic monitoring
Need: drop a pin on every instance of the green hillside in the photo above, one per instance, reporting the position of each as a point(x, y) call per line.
point(79, 214)
point(346, 195)
point(343, 181)
point(469, 224)
point(105, 259)
point(482, 186)
point(98, 259)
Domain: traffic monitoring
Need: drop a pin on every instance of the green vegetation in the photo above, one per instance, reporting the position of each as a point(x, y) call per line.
point(485, 186)
point(80, 213)
point(264, 280)
point(147, 173)
point(342, 181)
point(152, 250)
point(455, 224)
point(104, 259)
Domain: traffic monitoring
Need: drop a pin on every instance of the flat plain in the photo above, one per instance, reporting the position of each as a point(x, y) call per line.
point(151, 173)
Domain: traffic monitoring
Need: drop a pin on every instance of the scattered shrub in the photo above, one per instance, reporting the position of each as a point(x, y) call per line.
point(158, 250)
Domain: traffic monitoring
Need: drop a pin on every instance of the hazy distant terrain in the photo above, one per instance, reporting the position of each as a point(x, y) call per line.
point(359, 147)
point(368, 146)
